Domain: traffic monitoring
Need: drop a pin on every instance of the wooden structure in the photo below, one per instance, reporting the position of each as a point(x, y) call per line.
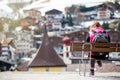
point(93, 47)
point(96, 47)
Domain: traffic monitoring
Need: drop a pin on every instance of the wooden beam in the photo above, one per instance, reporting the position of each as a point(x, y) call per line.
point(104, 44)
point(96, 47)
point(104, 50)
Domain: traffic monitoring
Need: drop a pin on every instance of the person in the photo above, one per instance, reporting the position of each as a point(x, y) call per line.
point(98, 28)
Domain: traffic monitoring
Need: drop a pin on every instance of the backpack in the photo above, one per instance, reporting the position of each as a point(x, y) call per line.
point(100, 38)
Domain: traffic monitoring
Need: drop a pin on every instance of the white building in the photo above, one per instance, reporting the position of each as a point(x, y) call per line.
point(103, 13)
point(54, 16)
point(5, 55)
point(24, 42)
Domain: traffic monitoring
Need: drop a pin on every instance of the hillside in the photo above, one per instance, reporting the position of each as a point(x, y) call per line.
point(81, 8)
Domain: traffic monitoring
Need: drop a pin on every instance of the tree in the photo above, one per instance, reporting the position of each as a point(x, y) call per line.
point(119, 26)
point(69, 19)
point(63, 21)
point(72, 9)
point(117, 5)
point(105, 25)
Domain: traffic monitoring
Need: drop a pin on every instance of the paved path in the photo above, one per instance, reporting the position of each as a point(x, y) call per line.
point(56, 76)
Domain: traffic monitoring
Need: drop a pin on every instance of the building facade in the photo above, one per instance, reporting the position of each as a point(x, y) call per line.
point(23, 42)
point(54, 17)
point(103, 13)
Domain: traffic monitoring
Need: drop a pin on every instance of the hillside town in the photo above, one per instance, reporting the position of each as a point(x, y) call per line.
point(30, 41)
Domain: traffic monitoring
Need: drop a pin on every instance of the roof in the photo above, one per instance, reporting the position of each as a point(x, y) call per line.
point(23, 67)
point(46, 55)
point(53, 11)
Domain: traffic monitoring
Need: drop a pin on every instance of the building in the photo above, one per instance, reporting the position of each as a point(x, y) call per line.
point(23, 42)
point(114, 36)
point(5, 52)
point(53, 14)
point(46, 58)
point(103, 13)
point(32, 13)
point(54, 17)
point(5, 56)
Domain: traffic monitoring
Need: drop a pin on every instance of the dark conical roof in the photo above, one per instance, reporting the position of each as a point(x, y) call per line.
point(46, 55)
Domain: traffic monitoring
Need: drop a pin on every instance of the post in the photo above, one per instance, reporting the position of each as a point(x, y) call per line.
point(66, 50)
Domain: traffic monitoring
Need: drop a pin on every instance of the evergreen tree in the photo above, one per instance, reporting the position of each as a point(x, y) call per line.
point(117, 5)
point(119, 26)
point(105, 25)
point(69, 19)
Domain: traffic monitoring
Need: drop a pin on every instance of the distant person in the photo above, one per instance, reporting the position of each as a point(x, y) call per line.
point(99, 35)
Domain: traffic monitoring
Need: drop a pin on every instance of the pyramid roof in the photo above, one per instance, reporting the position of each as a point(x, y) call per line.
point(46, 55)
